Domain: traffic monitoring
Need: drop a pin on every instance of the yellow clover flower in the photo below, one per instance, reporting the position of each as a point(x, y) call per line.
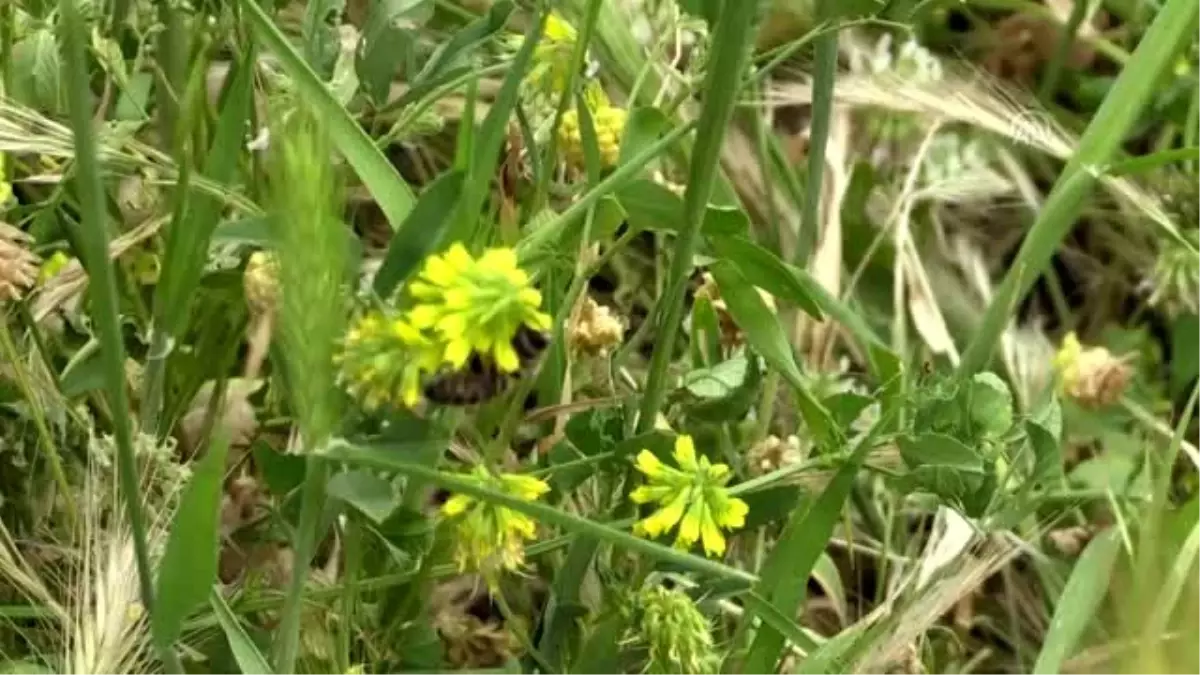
point(609, 124)
point(694, 497)
point(1091, 376)
point(383, 359)
point(492, 538)
point(476, 304)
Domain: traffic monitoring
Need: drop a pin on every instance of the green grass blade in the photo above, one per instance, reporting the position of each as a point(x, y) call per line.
point(730, 50)
point(785, 574)
point(247, 654)
point(1134, 88)
point(189, 236)
point(92, 236)
point(767, 337)
point(1085, 590)
point(420, 233)
point(385, 458)
point(189, 563)
point(825, 72)
point(395, 198)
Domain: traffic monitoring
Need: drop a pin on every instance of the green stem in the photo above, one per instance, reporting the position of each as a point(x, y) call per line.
point(822, 110)
point(722, 83)
point(1066, 41)
point(312, 500)
point(352, 554)
point(1130, 93)
point(93, 237)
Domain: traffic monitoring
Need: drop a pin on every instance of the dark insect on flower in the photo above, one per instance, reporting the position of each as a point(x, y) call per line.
point(481, 380)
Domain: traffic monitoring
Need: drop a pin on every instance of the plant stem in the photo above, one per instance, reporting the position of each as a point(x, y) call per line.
point(1102, 139)
point(822, 109)
point(312, 500)
point(1066, 41)
point(92, 235)
point(722, 83)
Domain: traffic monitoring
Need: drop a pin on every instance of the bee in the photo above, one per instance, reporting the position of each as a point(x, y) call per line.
point(481, 379)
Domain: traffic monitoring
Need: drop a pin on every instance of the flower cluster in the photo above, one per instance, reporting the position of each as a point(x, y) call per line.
point(552, 58)
point(694, 497)
point(476, 304)
point(461, 305)
point(492, 538)
point(18, 265)
point(676, 636)
point(1092, 377)
point(609, 124)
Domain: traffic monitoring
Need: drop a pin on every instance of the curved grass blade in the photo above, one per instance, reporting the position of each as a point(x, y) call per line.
point(421, 232)
point(247, 654)
point(1085, 590)
point(395, 198)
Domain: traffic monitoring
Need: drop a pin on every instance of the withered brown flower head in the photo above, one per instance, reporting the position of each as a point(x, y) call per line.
point(18, 265)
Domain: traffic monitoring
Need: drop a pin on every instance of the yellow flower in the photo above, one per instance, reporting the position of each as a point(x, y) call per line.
point(1093, 377)
point(608, 122)
point(692, 497)
point(492, 538)
point(476, 304)
point(383, 359)
point(52, 266)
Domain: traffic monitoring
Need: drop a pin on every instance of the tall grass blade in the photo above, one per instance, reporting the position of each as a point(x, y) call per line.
point(730, 50)
point(1085, 590)
point(247, 654)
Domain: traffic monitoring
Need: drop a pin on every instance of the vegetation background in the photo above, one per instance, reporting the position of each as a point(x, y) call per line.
point(794, 336)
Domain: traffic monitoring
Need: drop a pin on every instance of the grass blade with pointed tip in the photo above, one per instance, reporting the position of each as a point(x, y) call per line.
point(785, 574)
point(189, 563)
point(1076, 608)
point(732, 37)
point(395, 198)
point(420, 233)
point(247, 654)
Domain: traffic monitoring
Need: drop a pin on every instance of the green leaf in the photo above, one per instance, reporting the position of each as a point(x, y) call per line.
point(786, 571)
point(435, 71)
point(718, 381)
point(600, 653)
point(373, 496)
point(1077, 606)
point(421, 232)
point(846, 407)
point(189, 563)
point(37, 70)
point(320, 36)
point(991, 404)
point(249, 659)
point(280, 471)
point(652, 206)
point(643, 126)
point(826, 574)
point(251, 230)
point(388, 42)
point(938, 450)
point(564, 613)
point(1185, 361)
point(766, 336)
point(390, 191)
point(84, 372)
point(763, 269)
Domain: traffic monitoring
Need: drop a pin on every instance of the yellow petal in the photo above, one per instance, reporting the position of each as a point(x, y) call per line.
point(457, 352)
point(685, 453)
point(689, 529)
point(423, 316)
point(457, 258)
point(519, 523)
point(714, 541)
point(499, 259)
point(665, 518)
point(457, 298)
point(423, 291)
point(531, 297)
point(506, 357)
point(538, 321)
point(525, 487)
point(644, 494)
point(457, 504)
point(438, 271)
point(732, 513)
point(452, 325)
point(648, 464)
